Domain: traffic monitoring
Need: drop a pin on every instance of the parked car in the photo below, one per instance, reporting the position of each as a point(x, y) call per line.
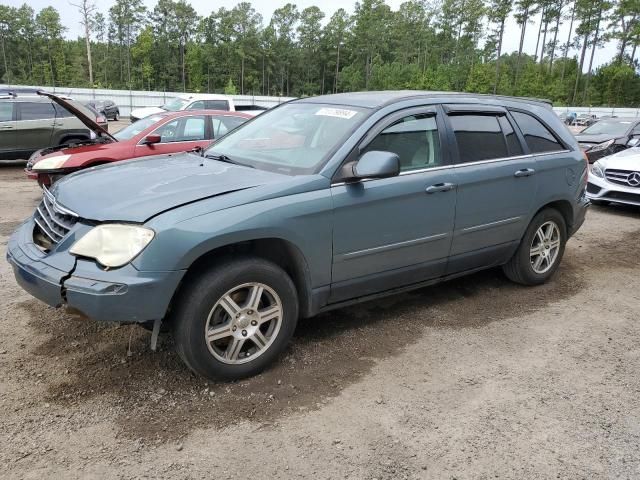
point(98, 117)
point(313, 205)
point(31, 122)
point(108, 108)
point(187, 101)
point(155, 135)
point(616, 178)
point(585, 120)
point(609, 136)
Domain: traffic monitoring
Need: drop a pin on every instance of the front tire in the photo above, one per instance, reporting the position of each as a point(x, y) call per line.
point(233, 320)
point(540, 250)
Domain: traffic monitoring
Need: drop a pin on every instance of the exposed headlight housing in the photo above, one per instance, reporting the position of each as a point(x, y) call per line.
point(602, 146)
point(597, 170)
point(112, 244)
point(52, 163)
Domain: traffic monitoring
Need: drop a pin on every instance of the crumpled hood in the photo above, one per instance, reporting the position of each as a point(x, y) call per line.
point(628, 159)
point(594, 139)
point(137, 190)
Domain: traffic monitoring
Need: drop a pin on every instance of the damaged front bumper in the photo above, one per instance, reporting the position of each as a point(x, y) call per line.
point(59, 278)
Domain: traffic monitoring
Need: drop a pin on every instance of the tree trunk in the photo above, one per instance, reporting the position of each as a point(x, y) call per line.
point(555, 40)
point(337, 69)
point(579, 72)
point(184, 75)
point(566, 47)
point(539, 34)
point(497, 80)
point(88, 42)
point(4, 58)
point(523, 30)
point(585, 95)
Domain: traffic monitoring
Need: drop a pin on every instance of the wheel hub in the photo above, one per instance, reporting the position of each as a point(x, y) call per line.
point(245, 323)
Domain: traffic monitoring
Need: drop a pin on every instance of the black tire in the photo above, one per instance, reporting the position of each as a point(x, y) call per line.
point(519, 268)
point(116, 117)
point(198, 297)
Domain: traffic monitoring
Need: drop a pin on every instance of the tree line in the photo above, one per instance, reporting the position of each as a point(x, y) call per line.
point(425, 44)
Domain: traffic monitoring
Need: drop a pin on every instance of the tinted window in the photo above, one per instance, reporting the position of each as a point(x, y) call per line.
point(36, 111)
point(513, 143)
point(414, 139)
point(216, 105)
point(199, 105)
point(6, 112)
point(538, 137)
point(225, 123)
point(62, 112)
point(479, 137)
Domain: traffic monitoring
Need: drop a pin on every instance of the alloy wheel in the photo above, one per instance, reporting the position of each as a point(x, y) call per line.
point(243, 323)
point(545, 247)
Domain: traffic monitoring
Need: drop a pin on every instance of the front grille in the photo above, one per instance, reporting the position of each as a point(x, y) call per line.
point(52, 221)
point(628, 178)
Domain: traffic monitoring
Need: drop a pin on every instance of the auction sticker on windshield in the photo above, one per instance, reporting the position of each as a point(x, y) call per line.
point(336, 112)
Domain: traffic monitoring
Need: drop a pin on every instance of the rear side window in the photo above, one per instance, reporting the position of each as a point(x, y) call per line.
point(479, 137)
point(6, 112)
point(223, 124)
point(538, 137)
point(36, 111)
point(216, 105)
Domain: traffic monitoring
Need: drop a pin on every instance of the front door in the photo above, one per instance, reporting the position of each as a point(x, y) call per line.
point(496, 188)
point(179, 135)
point(395, 231)
point(8, 143)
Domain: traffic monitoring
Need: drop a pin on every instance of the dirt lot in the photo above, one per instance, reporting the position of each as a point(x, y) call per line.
point(475, 378)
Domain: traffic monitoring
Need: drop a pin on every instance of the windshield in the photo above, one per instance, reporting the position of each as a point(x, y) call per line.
point(174, 105)
point(134, 129)
point(608, 127)
point(294, 139)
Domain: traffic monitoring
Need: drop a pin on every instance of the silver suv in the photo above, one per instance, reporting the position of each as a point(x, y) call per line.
point(31, 122)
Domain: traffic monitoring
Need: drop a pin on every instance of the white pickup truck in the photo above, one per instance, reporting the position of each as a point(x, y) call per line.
point(189, 101)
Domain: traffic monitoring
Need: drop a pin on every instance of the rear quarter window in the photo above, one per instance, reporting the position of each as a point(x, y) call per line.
point(538, 137)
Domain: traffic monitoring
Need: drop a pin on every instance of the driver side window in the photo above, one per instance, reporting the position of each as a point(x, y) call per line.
point(414, 139)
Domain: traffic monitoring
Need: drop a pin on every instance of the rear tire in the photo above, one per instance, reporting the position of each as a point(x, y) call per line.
point(540, 251)
point(233, 320)
point(116, 117)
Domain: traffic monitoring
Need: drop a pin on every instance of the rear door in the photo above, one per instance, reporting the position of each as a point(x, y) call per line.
point(395, 231)
point(497, 185)
point(35, 125)
point(178, 135)
point(7, 128)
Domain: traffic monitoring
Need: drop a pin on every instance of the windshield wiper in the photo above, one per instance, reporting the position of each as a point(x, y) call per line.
point(226, 159)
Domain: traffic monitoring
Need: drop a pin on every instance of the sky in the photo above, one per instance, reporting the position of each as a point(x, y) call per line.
point(71, 19)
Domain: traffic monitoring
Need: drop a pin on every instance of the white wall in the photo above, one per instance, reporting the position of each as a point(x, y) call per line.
point(129, 100)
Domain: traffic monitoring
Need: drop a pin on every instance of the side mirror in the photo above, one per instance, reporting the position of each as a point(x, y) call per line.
point(151, 139)
point(377, 164)
point(633, 142)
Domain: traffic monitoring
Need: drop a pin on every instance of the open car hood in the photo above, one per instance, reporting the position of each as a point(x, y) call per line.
point(82, 116)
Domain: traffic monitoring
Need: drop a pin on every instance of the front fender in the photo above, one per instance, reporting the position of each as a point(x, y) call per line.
point(304, 220)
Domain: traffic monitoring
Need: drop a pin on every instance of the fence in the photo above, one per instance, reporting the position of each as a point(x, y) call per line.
point(128, 100)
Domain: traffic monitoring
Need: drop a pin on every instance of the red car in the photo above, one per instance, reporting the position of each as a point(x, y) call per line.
point(159, 134)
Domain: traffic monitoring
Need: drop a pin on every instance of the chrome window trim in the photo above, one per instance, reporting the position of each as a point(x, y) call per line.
point(460, 165)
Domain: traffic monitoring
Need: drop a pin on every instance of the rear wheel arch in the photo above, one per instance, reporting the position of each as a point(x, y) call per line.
point(281, 252)
point(563, 207)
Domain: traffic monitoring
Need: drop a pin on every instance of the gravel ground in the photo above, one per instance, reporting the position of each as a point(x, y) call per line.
point(475, 378)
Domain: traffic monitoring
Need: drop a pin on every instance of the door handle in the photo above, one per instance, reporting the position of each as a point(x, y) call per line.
point(6, 127)
point(441, 187)
point(525, 172)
